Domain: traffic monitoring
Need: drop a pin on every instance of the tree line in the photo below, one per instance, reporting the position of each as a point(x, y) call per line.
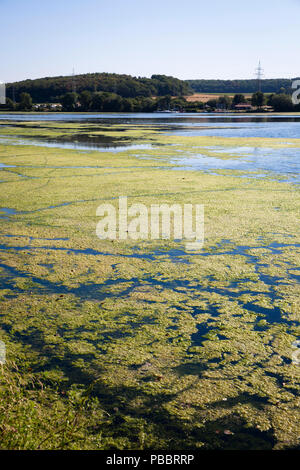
point(112, 102)
point(87, 101)
point(51, 89)
point(241, 86)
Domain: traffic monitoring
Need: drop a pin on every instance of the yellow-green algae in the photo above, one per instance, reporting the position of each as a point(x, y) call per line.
point(131, 343)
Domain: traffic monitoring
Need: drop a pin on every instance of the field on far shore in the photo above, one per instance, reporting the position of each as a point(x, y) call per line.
point(205, 97)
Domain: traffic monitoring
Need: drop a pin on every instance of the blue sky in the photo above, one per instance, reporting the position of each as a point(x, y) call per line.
point(186, 39)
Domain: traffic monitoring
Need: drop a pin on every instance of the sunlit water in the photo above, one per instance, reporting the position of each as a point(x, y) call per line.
point(225, 125)
point(282, 163)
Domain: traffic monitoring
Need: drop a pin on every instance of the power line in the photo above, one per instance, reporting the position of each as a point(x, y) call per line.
point(259, 73)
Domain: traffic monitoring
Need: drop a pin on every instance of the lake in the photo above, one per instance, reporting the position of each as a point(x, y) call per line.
point(282, 163)
point(225, 125)
point(139, 336)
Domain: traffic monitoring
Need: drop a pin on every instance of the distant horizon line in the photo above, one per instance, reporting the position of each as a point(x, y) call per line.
point(149, 77)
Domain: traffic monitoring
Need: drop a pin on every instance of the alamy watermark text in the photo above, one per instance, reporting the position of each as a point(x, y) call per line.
point(159, 221)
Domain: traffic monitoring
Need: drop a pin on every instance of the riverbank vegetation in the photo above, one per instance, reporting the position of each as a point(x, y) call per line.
point(123, 93)
point(87, 101)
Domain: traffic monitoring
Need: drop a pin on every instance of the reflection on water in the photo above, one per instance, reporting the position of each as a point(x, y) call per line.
point(75, 145)
point(155, 117)
point(206, 124)
point(282, 162)
point(247, 129)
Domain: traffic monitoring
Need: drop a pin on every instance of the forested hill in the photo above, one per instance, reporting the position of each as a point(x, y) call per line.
point(50, 89)
point(240, 86)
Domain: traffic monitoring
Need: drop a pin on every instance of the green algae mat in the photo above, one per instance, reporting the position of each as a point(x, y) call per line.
point(140, 344)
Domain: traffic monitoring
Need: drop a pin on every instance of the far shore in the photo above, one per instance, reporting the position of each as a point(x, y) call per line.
point(254, 113)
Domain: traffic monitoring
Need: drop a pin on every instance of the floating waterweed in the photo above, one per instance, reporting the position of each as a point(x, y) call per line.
point(161, 340)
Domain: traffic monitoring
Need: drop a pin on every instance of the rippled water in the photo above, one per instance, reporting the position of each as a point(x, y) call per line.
point(224, 125)
point(283, 163)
